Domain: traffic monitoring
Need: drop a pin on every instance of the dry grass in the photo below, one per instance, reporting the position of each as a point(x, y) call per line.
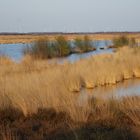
point(4, 39)
point(100, 120)
point(34, 84)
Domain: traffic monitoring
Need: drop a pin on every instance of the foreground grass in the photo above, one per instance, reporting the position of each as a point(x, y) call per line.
point(37, 100)
point(106, 120)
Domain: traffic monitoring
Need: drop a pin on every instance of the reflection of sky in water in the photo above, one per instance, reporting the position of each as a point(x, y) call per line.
point(133, 90)
point(74, 57)
point(122, 89)
point(15, 51)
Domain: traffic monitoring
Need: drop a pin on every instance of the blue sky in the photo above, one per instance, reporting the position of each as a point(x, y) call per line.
point(69, 15)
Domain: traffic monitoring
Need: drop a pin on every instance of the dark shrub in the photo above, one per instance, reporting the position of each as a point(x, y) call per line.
point(124, 41)
point(62, 46)
point(132, 42)
point(83, 45)
point(121, 41)
point(42, 48)
point(39, 49)
point(45, 114)
point(87, 43)
point(9, 115)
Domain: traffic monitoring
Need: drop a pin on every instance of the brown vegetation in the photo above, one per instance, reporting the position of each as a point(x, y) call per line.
point(104, 120)
point(4, 39)
point(60, 47)
point(37, 100)
point(34, 83)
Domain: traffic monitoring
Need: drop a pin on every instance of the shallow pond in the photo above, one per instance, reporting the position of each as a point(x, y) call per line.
point(15, 51)
point(123, 89)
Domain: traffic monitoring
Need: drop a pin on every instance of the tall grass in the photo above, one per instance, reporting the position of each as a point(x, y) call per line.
point(42, 49)
point(34, 84)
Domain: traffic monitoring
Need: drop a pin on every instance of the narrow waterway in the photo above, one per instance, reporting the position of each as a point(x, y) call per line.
point(15, 51)
point(126, 88)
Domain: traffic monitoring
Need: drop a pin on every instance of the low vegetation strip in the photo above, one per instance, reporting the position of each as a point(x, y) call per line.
point(44, 48)
point(29, 38)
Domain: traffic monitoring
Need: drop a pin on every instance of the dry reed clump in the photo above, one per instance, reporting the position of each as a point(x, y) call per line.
point(6, 65)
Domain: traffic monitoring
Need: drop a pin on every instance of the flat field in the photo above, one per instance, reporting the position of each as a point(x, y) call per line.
point(27, 38)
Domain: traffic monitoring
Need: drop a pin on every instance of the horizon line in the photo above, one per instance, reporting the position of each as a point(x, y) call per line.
point(101, 32)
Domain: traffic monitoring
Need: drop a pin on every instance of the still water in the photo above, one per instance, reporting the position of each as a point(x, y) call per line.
point(127, 88)
point(15, 51)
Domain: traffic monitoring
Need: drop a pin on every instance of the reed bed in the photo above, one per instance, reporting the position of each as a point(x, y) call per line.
point(34, 84)
point(101, 120)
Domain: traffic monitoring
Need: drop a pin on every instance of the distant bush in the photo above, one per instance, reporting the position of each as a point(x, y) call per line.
point(42, 48)
point(121, 41)
point(84, 45)
point(87, 43)
point(79, 44)
point(39, 49)
point(124, 41)
point(132, 42)
point(62, 46)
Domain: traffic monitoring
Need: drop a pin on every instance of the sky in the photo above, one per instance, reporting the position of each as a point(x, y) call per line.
point(69, 15)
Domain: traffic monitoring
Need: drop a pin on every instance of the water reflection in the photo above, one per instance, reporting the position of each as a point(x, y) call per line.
point(122, 89)
point(14, 51)
point(75, 57)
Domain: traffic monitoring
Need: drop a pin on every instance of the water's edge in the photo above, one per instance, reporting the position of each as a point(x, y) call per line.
point(15, 51)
